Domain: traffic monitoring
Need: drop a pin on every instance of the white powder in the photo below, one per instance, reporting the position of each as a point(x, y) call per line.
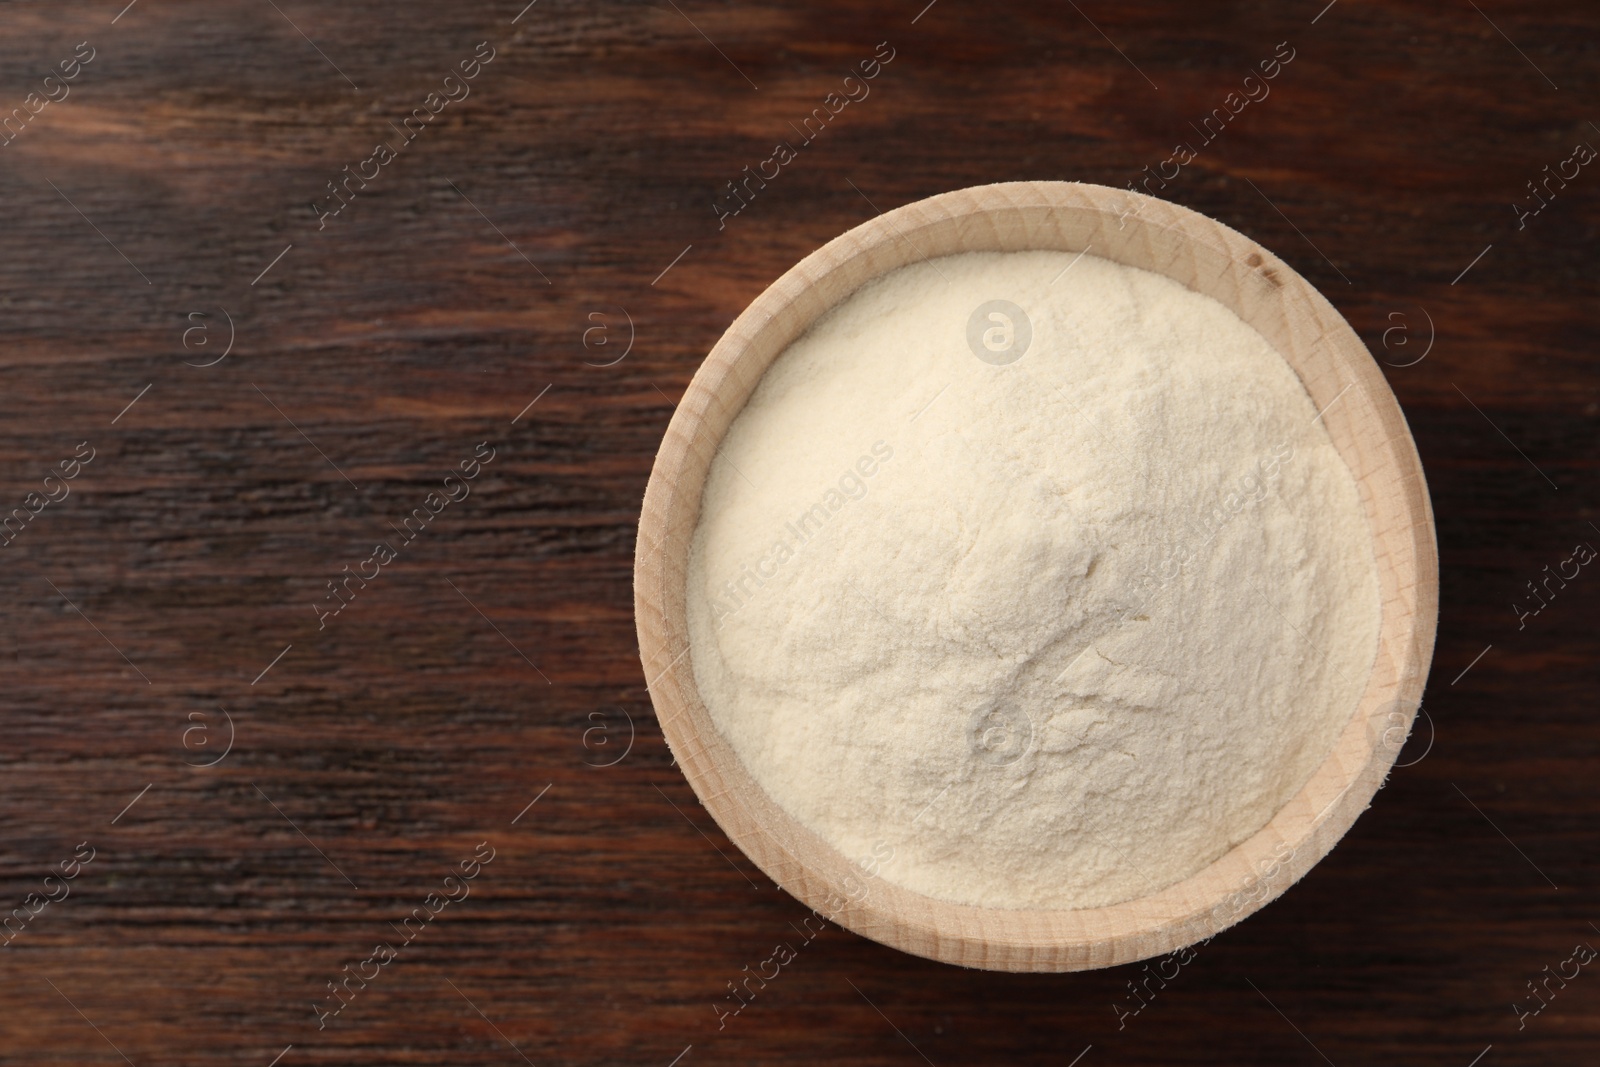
point(1056, 633)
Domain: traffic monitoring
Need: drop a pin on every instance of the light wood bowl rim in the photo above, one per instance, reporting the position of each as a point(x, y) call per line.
point(1368, 428)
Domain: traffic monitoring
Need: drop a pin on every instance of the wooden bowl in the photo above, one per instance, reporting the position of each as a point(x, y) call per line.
point(1366, 426)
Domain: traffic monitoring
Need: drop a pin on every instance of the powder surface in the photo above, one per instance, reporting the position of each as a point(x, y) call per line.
point(1048, 633)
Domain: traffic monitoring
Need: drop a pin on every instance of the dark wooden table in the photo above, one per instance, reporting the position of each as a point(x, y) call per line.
point(177, 196)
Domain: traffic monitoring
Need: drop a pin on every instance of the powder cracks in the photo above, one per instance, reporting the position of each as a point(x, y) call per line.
point(849, 716)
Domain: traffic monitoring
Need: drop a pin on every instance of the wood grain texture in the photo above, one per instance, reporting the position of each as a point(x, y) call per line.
point(409, 330)
point(1367, 429)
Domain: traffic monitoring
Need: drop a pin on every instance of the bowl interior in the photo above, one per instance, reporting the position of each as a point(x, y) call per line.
point(1362, 418)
